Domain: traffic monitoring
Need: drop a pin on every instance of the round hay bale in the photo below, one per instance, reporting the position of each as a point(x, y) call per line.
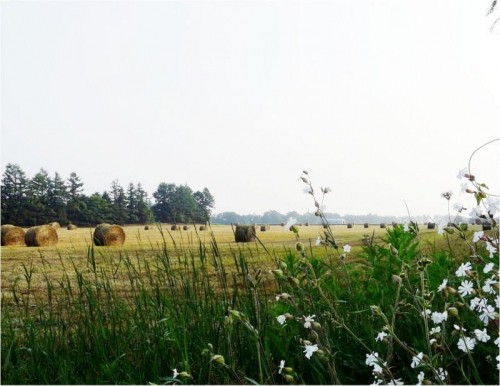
point(12, 235)
point(486, 226)
point(282, 224)
point(307, 224)
point(146, 227)
point(41, 236)
point(107, 235)
point(349, 225)
point(431, 225)
point(173, 227)
point(202, 227)
point(185, 227)
point(366, 225)
point(55, 225)
point(71, 227)
point(382, 225)
point(263, 228)
point(244, 233)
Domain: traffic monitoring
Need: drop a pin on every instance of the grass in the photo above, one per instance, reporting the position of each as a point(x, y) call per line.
point(206, 306)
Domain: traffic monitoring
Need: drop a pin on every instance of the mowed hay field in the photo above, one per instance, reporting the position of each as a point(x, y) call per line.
point(138, 256)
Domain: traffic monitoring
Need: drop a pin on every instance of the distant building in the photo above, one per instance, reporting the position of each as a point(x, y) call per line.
point(335, 221)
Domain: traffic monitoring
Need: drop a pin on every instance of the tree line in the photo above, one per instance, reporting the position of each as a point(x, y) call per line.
point(42, 199)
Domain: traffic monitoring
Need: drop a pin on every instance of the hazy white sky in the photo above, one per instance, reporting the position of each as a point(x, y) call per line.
point(383, 101)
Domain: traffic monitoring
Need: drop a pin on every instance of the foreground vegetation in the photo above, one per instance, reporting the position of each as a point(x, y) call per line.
point(299, 305)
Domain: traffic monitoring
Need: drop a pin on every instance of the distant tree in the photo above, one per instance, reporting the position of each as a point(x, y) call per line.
point(273, 217)
point(119, 203)
point(183, 204)
point(38, 199)
point(74, 186)
point(205, 203)
point(14, 196)
point(162, 209)
point(57, 198)
point(144, 212)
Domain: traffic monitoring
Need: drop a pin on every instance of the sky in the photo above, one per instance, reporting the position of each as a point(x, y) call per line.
point(382, 101)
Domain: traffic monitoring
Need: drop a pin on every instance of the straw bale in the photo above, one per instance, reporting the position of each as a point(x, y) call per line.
point(349, 225)
point(71, 227)
point(55, 225)
point(431, 225)
point(41, 236)
point(366, 225)
point(12, 235)
point(244, 233)
point(202, 227)
point(486, 226)
point(107, 235)
point(146, 227)
point(185, 227)
point(263, 228)
point(173, 227)
point(382, 225)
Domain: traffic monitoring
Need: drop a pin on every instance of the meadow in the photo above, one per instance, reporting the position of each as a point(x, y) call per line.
point(175, 307)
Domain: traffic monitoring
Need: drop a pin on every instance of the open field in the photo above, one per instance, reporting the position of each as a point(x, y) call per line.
point(219, 312)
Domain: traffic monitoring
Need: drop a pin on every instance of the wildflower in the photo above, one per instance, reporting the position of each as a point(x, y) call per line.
point(281, 319)
point(476, 212)
point(457, 206)
point(291, 221)
point(447, 195)
point(308, 320)
point(466, 288)
point(307, 190)
point(493, 205)
point(466, 344)
point(463, 269)
point(442, 373)
point(439, 317)
point(327, 190)
point(175, 374)
point(435, 330)
point(459, 328)
point(406, 227)
point(497, 300)
point(415, 361)
point(398, 381)
point(281, 367)
point(461, 173)
point(487, 287)
point(347, 248)
point(482, 336)
point(488, 313)
point(488, 267)
point(477, 236)
point(420, 377)
point(440, 228)
point(491, 248)
point(463, 187)
point(318, 241)
point(478, 304)
point(310, 350)
point(497, 341)
point(432, 341)
point(380, 337)
point(371, 358)
point(425, 313)
point(443, 285)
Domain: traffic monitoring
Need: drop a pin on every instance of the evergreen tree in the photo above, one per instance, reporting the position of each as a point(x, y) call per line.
point(119, 203)
point(14, 196)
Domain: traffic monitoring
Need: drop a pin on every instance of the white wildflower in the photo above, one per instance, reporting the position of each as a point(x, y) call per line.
point(456, 327)
point(491, 248)
point(307, 190)
point(291, 221)
point(457, 206)
point(493, 205)
point(443, 285)
point(461, 173)
point(463, 269)
point(398, 381)
point(497, 300)
point(175, 373)
point(478, 304)
point(371, 358)
point(439, 317)
point(380, 337)
point(466, 344)
point(282, 366)
point(497, 341)
point(488, 267)
point(477, 236)
point(476, 212)
point(281, 319)
point(406, 227)
point(415, 361)
point(463, 187)
point(466, 288)
point(488, 313)
point(432, 341)
point(318, 241)
point(420, 378)
point(347, 248)
point(310, 350)
point(308, 320)
point(487, 287)
point(435, 330)
point(442, 373)
point(426, 313)
point(482, 335)
point(440, 228)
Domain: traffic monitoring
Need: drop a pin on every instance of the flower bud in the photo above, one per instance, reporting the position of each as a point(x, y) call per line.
point(218, 358)
point(449, 230)
point(294, 281)
point(294, 229)
point(282, 265)
point(394, 251)
point(317, 213)
point(452, 311)
point(305, 172)
point(304, 180)
point(288, 378)
point(314, 335)
point(235, 314)
point(288, 316)
point(470, 190)
point(396, 279)
point(278, 273)
point(288, 370)
point(376, 310)
point(184, 375)
point(299, 247)
point(316, 326)
point(450, 290)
